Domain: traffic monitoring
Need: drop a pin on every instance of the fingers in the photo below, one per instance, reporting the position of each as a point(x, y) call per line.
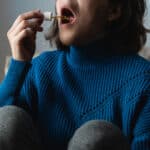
point(24, 34)
point(34, 25)
point(27, 16)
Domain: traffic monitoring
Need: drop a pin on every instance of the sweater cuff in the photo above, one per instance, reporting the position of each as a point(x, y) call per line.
point(17, 67)
point(16, 74)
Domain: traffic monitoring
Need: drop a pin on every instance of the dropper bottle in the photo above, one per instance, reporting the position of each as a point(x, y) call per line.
point(48, 16)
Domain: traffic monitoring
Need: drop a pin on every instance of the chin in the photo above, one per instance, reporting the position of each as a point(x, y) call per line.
point(67, 39)
point(72, 38)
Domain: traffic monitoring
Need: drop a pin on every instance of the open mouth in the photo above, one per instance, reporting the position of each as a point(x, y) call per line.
point(68, 16)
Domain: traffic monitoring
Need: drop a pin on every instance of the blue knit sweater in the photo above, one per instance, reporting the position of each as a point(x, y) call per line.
point(64, 89)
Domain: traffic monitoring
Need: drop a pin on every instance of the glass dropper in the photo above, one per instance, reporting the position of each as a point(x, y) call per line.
point(48, 16)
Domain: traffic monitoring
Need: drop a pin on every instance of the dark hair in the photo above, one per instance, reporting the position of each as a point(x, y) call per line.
point(127, 32)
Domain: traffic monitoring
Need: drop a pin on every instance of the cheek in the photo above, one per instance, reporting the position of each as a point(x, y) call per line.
point(92, 13)
point(95, 21)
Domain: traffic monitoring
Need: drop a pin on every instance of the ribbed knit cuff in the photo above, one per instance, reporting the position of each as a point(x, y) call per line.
point(15, 76)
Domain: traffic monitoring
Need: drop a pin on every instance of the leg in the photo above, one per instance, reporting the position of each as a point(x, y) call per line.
point(17, 131)
point(98, 135)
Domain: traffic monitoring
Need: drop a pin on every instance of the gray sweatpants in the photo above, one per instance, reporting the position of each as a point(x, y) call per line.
point(98, 135)
point(17, 132)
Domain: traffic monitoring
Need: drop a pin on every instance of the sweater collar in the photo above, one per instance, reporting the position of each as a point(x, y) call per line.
point(95, 52)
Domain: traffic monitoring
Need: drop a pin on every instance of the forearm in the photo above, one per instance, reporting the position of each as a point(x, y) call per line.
point(12, 83)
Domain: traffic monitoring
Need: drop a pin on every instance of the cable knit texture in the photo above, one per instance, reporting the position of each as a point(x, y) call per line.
point(64, 89)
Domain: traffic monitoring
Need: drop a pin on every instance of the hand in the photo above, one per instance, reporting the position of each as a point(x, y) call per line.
point(22, 35)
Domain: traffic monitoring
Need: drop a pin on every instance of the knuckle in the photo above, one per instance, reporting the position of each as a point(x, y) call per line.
point(8, 34)
point(34, 12)
point(21, 17)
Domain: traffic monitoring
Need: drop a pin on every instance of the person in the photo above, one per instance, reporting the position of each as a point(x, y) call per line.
point(95, 74)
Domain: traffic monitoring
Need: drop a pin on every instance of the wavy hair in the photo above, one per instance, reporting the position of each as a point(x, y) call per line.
point(127, 33)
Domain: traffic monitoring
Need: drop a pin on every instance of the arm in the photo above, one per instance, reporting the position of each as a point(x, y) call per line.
point(21, 36)
point(12, 83)
point(18, 87)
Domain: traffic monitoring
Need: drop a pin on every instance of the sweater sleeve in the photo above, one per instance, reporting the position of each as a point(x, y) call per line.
point(12, 83)
point(141, 132)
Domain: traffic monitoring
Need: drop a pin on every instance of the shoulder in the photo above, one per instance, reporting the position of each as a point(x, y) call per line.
point(46, 64)
point(134, 66)
point(47, 55)
point(139, 66)
point(134, 76)
point(47, 58)
point(140, 60)
point(136, 62)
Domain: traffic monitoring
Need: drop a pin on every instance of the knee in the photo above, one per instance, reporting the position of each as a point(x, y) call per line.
point(13, 119)
point(15, 126)
point(98, 135)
